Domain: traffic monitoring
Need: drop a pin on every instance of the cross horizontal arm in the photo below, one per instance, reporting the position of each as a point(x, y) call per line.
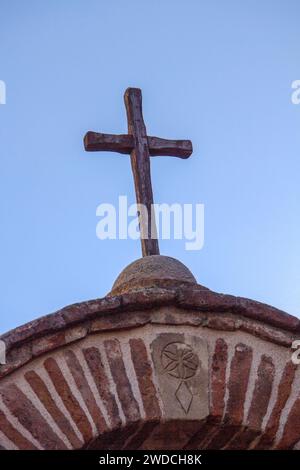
point(171, 148)
point(94, 141)
point(124, 143)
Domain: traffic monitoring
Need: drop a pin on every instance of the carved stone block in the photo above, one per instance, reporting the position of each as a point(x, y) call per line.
point(181, 366)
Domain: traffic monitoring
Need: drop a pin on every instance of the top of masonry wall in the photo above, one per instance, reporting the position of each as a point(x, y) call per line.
point(146, 285)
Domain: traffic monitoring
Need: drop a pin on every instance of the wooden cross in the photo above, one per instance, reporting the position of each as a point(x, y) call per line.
point(140, 146)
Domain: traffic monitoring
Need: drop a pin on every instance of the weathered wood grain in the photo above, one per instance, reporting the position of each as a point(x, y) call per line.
point(170, 148)
point(95, 142)
point(140, 147)
point(124, 143)
point(140, 163)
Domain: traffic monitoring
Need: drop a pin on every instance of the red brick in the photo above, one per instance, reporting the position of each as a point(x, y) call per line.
point(22, 408)
point(119, 321)
point(45, 397)
point(218, 379)
point(221, 322)
point(223, 436)
point(118, 371)
point(94, 361)
point(171, 434)
point(238, 384)
point(259, 404)
point(68, 398)
point(262, 393)
point(137, 439)
point(284, 390)
point(14, 435)
point(143, 372)
point(47, 343)
point(115, 439)
point(148, 298)
point(84, 389)
point(203, 435)
point(291, 431)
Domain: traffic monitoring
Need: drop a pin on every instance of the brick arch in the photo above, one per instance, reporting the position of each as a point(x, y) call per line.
point(101, 383)
point(85, 397)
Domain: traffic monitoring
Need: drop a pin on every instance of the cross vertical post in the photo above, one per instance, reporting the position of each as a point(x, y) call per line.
point(140, 163)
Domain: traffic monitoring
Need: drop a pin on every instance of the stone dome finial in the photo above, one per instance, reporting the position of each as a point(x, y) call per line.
point(152, 271)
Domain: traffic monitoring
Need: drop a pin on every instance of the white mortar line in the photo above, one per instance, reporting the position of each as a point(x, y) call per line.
point(59, 402)
point(297, 446)
point(230, 353)
point(7, 443)
point(256, 358)
point(288, 406)
point(112, 385)
point(62, 363)
point(93, 386)
point(17, 425)
point(151, 336)
point(277, 378)
point(31, 395)
point(130, 371)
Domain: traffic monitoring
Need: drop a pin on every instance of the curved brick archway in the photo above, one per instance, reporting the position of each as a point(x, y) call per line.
point(153, 369)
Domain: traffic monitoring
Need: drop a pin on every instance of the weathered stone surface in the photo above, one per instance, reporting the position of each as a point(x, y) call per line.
point(181, 366)
point(152, 271)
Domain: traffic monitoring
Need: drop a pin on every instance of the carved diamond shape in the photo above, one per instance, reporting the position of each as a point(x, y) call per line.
point(184, 396)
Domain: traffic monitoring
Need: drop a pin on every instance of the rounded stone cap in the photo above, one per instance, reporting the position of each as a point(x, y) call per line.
point(152, 271)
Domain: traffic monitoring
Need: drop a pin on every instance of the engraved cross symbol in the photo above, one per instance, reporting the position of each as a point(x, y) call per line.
point(140, 146)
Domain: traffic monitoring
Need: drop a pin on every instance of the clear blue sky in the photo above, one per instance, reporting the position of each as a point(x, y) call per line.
point(217, 72)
